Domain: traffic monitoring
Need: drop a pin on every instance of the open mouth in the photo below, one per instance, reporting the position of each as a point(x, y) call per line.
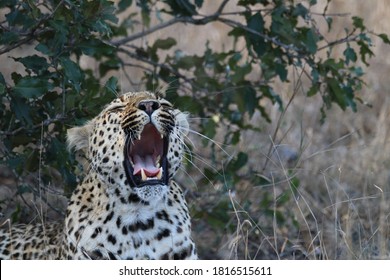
point(145, 159)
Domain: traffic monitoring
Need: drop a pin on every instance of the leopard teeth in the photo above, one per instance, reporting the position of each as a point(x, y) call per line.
point(159, 174)
point(143, 175)
point(158, 161)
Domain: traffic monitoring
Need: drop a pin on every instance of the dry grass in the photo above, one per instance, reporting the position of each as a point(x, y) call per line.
point(341, 208)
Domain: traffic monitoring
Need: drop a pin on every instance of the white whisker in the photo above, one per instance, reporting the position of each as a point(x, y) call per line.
point(200, 171)
point(218, 144)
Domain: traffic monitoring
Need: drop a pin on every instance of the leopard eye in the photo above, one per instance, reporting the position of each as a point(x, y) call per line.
point(116, 108)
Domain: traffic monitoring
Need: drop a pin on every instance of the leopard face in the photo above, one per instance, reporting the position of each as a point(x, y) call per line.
point(128, 205)
point(135, 143)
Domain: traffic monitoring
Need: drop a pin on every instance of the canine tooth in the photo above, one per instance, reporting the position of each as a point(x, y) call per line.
point(159, 174)
point(143, 175)
point(162, 136)
point(157, 164)
point(158, 160)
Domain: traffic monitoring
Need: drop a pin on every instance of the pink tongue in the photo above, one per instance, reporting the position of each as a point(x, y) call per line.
point(145, 163)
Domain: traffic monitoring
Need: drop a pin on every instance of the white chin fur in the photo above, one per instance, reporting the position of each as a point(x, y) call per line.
point(151, 193)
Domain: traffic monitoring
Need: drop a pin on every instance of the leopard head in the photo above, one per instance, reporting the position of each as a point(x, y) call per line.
point(135, 144)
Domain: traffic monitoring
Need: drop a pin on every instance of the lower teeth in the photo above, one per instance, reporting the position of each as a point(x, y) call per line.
point(146, 178)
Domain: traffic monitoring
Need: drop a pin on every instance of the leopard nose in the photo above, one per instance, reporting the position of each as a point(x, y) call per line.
point(149, 106)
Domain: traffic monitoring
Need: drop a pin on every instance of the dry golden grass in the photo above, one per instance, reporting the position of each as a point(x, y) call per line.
point(341, 208)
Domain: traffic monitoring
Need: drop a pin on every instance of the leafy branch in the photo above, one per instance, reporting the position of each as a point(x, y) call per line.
point(203, 20)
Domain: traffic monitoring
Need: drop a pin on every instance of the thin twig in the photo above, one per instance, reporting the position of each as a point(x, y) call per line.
point(44, 123)
point(281, 118)
point(156, 64)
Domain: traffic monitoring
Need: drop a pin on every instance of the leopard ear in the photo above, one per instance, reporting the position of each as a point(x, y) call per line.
point(78, 137)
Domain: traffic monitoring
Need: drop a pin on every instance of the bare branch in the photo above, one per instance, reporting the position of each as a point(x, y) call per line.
point(147, 32)
point(221, 7)
point(346, 39)
point(44, 123)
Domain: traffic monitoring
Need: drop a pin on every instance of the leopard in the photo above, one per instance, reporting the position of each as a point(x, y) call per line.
point(128, 205)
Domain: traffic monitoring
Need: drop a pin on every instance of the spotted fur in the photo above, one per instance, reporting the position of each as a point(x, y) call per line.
point(115, 213)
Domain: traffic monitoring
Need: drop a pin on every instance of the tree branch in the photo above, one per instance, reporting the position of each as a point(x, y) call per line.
point(196, 21)
point(44, 123)
point(155, 64)
point(33, 33)
point(346, 39)
point(147, 32)
point(233, 23)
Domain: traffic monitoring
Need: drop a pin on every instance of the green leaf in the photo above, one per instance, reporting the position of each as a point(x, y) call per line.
point(145, 12)
point(21, 109)
point(358, 71)
point(300, 10)
point(181, 7)
point(251, 101)
point(281, 70)
point(44, 49)
point(112, 85)
point(96, 48)
point(2, 89)
point(37, 64)
point(8, 37)
point(311, 41)
point(72, 72)
point(235, 137)
point(209, 129)
point(61, 34)
point(350, 55)
point(384, 38)
point(2, 84)
point(199, 3)
point(188, 62)
point(237, 32)
point(240, 72)
point(365, 52)
point(32, 87)
point(336, 93)
point(256, 22)
point(108, 65)
point(313, 90)
point(246, 99)
point(124, 4)
point(238, 162)
point(358, 23)
point(164, 44)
